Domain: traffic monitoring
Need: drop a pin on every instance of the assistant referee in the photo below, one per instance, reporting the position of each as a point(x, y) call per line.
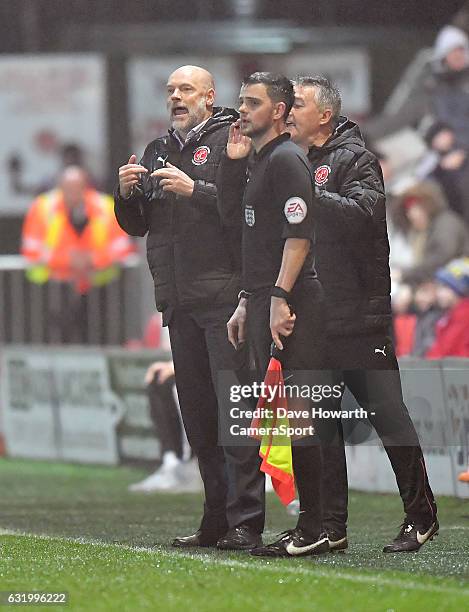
point(282, 299)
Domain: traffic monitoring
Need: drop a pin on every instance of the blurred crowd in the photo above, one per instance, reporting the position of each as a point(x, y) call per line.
point(428, 211)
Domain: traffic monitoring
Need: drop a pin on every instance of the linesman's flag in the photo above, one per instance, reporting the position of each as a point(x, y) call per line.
point(275, 448)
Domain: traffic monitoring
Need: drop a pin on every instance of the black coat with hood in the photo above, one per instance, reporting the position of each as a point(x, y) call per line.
point(352, 248)
point(193, 259)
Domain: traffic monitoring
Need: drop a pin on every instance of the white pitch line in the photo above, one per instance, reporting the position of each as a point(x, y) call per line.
point(463, 527)
point(266, 567)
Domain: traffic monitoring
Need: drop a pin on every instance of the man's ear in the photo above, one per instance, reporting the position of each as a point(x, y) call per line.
point(210, 96)
point(279, 110)
point(326, 116)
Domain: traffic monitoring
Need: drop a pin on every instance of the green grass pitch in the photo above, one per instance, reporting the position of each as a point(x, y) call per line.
point(77, 529)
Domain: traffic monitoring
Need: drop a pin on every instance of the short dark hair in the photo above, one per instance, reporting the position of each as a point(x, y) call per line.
point(328, 96)
point(279, 88)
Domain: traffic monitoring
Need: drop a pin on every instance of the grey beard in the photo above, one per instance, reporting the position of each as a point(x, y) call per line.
point(193, 119)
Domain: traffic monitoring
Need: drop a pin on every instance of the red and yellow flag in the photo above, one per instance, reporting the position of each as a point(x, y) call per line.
point(275, 448)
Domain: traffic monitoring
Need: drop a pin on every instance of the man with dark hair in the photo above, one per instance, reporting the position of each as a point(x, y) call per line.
point(281, 298)
point(278, 88)
point(171, 196)
point(352, 254)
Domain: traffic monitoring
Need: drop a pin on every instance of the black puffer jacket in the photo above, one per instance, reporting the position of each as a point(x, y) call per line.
point(193, 259)
point(352, 248)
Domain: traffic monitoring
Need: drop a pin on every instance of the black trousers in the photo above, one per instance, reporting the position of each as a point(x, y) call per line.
point(234, 487)
point(303, 351)
point(368, 366)
point(165, 415)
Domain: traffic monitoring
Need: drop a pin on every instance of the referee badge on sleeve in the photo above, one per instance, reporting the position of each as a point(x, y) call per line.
point(249, 215)
point(295, 210)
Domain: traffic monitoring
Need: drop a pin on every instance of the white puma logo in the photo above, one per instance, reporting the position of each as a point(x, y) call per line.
point(383, 350)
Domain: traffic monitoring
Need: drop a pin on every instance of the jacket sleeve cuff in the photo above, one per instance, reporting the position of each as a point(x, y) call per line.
point(118, 195)
point(203, 192)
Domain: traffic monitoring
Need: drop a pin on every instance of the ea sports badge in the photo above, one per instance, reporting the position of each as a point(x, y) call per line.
point(321, 175)
point(200, 155)
point(295, 210)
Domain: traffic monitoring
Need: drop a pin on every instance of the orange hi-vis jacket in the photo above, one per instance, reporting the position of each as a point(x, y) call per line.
point(49, 240)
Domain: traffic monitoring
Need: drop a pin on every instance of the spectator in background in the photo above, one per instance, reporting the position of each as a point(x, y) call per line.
point(415, 314)
point(452, 330)
point(436, 234)
point(427, 312)
point(177, 472)
point(70, 154)
point(448, 164)
point(70, 235)
point(448, 106)
point(449, 90)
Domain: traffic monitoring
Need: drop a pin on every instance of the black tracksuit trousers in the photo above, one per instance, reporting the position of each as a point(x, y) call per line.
point(368, 366)
point(303, 351)
point(234, 486)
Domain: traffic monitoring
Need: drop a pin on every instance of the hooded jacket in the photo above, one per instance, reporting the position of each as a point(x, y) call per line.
point(193, 259)
point(446, 238)
point(352, 248)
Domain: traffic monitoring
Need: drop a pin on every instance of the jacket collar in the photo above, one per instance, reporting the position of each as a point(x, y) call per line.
point(270, 146)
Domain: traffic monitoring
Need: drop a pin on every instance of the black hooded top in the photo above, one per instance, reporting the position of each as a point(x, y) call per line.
point(193, 259)
point(352, 248)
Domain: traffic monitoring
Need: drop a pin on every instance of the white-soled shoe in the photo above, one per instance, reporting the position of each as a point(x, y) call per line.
point(163, 479)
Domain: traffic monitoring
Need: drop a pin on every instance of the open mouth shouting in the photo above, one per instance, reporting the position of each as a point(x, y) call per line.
point(179, 111)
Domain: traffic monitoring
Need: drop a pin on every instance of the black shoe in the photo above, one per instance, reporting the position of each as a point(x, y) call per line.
point(294, 543)
point(242, 537)
point(412, 536)
point(199, 538)
point(337, 539)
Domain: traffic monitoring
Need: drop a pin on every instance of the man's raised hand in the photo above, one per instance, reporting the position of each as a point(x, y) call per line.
point(129, 175)
point(238, 145)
